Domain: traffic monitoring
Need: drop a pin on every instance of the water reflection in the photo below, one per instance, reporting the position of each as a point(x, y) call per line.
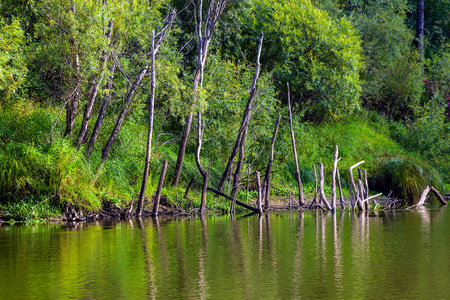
point(310, 254)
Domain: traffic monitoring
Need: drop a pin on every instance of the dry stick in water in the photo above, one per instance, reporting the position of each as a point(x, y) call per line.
point(160, 186)
point(333, 181)
point(366, 189)
point(322, 183)
point(341, 196)
point(315, 187)
point(355, 191)
point(297, 170)
point(361, 193)
point(362, 190)
point(258, 184)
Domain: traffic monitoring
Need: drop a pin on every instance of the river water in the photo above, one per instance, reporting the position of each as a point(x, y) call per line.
point(289, 255)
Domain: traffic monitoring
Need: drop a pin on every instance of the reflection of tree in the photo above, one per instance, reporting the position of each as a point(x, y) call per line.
point(202, 252)
point(298, 258)
point(149, 265)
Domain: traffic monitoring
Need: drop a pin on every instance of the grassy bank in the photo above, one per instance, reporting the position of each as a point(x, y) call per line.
point(42, 173)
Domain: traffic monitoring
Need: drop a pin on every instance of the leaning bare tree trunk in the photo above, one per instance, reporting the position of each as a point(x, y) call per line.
point(321, 186)
point(266, 183)
point(333, 181)
point(438, 195)
point(297, 170)
point(355, 191)
point(130, 95)
point(237, 173)
point(94, 89)
point(160, 186)
point(188, 188)
point(72, 103)
point(101, 113)
point(214, 11)
point(150, 129)
point(245, 117)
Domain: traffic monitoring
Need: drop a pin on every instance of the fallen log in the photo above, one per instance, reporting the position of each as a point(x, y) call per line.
point(425, 192)
point(230, 198)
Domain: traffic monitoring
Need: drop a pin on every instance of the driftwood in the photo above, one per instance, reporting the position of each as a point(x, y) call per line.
point(425, 192)
point(160, 186)
point(230, 198)
point(294, 150)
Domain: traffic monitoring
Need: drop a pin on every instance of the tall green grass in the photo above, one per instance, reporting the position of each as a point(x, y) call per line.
point(406, 177)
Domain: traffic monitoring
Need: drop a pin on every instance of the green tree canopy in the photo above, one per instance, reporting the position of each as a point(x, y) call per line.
point(318, 55)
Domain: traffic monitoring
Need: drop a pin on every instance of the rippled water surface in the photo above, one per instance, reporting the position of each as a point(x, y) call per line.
point(402, 254)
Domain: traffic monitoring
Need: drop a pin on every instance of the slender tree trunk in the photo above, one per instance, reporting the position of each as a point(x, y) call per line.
point(366, 184)
point(420, 26)
point(316, 190)
point(269, 164)
point(297, 170)
point(160, 186)
point(248, 182)
point(72, 104)
point(258, 184)
point(341, 196)
point(150, 129)
point(237, 173)
point(94, 89)
point(214, 11)
point(191, 182)
point(130, 95)
point(101, 113)
point(245, 117)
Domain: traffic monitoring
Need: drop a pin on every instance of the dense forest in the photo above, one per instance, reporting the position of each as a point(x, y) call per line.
point(95, 95)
